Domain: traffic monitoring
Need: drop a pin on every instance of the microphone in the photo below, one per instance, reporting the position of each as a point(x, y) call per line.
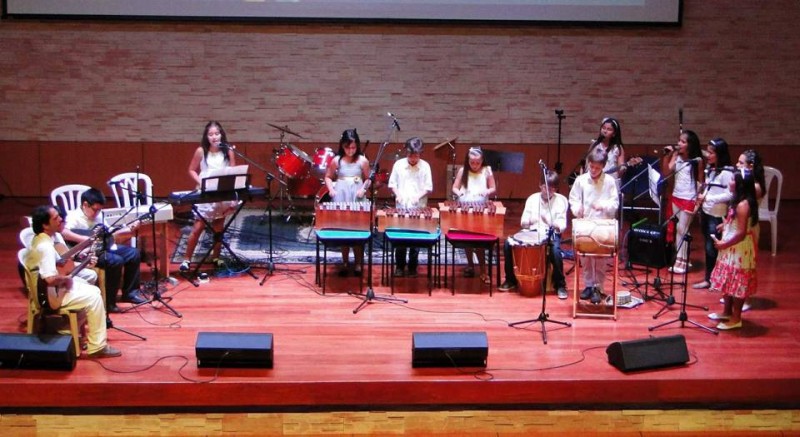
point(698, 159)
point(226, 146)
point(542, 164)
point(666, 150)
point(394, 123)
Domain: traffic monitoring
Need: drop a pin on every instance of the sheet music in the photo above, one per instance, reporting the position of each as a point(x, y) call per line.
point(239, 171)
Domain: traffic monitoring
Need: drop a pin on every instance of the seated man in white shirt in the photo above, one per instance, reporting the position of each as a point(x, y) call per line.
point(63, 291)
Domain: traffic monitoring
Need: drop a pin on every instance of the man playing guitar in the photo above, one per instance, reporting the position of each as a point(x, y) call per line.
point(64, 292)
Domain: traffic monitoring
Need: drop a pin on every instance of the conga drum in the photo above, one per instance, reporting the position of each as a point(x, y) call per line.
point(595, 236)
point(529, 258)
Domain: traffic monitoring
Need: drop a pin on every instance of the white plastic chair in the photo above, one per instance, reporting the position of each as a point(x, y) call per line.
point(124, 186)
point(68, 197)
point(767, 214)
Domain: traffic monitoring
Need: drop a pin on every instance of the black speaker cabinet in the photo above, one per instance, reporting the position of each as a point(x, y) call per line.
point(30, 351)
point(449, 349)
point(647, 246)
point(234, 349)
point(648, 353)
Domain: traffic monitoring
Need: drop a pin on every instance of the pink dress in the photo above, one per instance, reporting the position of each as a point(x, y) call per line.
point(735, 271)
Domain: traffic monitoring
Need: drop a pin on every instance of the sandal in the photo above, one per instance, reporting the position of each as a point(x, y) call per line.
point(469, 272)
point(486, 280)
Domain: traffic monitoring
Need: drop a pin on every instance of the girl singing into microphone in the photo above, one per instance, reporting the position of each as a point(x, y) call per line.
point(684, 161)
point(211, 154)
point(713, 201)
point(609, 140)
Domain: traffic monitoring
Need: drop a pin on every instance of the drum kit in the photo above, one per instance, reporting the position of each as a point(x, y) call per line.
point(303, 175)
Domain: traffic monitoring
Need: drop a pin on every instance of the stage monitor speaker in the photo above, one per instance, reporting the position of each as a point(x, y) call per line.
point(647, 246)
point(449, 349)
point(30, 351)
point(234, 349)
point(648, 353)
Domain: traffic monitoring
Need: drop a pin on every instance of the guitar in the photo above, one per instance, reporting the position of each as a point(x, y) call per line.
point(104, 236)
point(63, 266)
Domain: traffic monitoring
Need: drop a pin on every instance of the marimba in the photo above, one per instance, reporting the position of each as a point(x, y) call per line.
point(479, 217)
point(354, 216)
point(415, 219)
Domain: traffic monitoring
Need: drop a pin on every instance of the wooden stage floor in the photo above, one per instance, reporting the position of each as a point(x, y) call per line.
point(328, 358)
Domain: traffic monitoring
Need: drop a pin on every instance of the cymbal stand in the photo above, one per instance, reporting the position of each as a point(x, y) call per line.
point(543, 316)
point(370, 296)
point(683, 317)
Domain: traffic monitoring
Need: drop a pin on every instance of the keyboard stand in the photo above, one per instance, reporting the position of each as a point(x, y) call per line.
point(218, 237)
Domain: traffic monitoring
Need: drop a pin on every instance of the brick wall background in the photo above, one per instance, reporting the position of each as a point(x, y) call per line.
point(732, 67)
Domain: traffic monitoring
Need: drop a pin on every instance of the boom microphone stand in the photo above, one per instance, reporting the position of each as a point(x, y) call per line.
point(683, 317)
point(370, 295)
point(543, 316)
point(109, 322)
point(153, 287)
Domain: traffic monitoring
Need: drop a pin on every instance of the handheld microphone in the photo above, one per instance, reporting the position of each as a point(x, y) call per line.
point(698, 159)
point(542, 164)
point(666, 150)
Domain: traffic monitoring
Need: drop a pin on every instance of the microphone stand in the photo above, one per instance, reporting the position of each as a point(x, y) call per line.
point(109, 322)
point(370, 295)
point(269, 177)
point(152, 287)
point(559, 165)
point(543, 316)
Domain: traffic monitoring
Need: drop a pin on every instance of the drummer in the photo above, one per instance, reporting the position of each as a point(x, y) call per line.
point(542, 210)
point(594, 195)
point(347, 181)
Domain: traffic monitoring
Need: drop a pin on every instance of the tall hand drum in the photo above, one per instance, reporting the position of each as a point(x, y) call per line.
point(595, 236)
point(529, 258)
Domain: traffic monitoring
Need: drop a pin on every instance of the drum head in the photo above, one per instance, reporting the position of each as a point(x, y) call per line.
point(528, 237)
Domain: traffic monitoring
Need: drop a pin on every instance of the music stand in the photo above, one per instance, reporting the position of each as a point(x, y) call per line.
point(229, 185)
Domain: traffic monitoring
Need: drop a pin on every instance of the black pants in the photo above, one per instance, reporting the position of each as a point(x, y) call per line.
point(708, 225)
point(400, 258)
point(122, 264)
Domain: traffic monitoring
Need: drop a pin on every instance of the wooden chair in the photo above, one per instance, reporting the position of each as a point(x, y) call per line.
point(36, 313)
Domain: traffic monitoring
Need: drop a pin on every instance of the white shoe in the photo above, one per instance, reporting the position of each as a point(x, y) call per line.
point(746, 307)
point(184, 266)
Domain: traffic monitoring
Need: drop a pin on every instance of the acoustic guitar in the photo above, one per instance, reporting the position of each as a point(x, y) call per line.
point(83, 251)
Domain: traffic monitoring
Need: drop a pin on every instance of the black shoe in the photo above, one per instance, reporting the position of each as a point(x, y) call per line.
point(134, 298)
point(398, 273)
point(596, 296)
point(114, 310)
point(507, 286)
point(587, 293)
point(357, 273)
point(412, 273)
point(106, 352)
point(344, 272)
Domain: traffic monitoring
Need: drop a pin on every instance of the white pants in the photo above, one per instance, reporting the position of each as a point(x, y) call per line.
point(87, 298)
point(681, 229)
point(594, 270)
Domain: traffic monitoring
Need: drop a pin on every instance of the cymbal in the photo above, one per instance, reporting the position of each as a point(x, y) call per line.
point(285, 129)
point(453, 140)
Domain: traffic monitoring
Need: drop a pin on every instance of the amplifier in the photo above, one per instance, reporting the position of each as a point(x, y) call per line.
point(647, 246)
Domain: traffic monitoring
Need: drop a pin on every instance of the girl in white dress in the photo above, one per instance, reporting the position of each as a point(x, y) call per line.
point(475, 183)
point(213, 153)
point(346, 180)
